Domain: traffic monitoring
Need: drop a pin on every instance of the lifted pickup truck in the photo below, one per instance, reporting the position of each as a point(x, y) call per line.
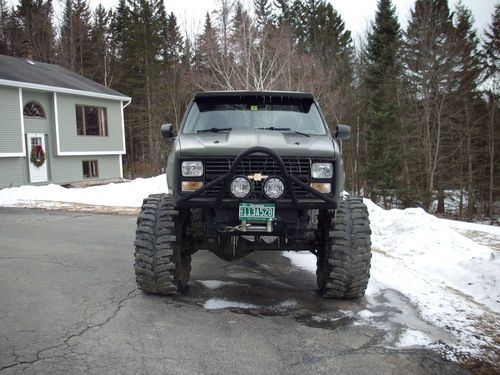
point(254, 171)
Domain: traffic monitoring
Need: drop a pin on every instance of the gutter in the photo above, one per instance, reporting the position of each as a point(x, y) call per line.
point(36, 86)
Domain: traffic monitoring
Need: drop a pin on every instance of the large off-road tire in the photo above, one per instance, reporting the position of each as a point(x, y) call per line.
point(163, 246)
point(343, 263)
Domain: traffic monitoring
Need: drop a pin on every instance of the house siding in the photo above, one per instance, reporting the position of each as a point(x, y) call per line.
point(69, 141)
point(12, 172)
point(68, 169)
point(10, 121)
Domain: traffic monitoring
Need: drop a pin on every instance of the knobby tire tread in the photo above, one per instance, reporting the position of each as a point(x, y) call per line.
point(157, 250)
point(344, 267)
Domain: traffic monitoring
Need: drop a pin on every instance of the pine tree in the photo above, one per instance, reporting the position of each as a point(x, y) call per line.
point(467, 124)
point(173, 47)
point(430, 59)
point(4, 15)
point(382, 78)
point(243, 33)
point(263, 13)
point(34, 18)
point(491, 53)
point(119, 23)
point(173, 74)
point(206, 44)
point(283, 16)
point(99, 37)
point(492, 47)
point(75, 45)
point(142, 64)
point(223, 21)
point(241, 19)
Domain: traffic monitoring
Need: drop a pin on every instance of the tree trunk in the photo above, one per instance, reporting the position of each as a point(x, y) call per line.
point(491, 145)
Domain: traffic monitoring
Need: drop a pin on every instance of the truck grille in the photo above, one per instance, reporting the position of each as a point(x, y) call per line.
point(297, 166)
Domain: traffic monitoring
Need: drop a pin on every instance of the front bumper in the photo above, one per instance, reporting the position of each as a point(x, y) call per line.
point(196, 199)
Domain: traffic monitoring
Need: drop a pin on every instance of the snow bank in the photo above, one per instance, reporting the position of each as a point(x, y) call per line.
point(429, 249)
point(126, 194)
point(453, 280)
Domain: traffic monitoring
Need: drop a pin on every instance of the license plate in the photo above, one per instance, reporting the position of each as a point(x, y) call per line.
point(257, 212)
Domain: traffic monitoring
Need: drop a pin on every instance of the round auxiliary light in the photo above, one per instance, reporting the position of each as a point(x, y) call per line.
point(274, 188)
point(240, 187)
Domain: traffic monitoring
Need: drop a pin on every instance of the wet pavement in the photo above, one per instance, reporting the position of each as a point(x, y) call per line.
point(69, 304)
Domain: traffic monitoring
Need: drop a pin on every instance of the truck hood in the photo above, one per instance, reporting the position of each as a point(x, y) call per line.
point(238, 140)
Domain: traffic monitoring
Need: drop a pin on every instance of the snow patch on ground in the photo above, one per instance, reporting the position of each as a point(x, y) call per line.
point(369, 315)
point(302, 259)
point(411, 338)
point(337, 315)
point(217, 304)
point(216, 284)
point(288, 304)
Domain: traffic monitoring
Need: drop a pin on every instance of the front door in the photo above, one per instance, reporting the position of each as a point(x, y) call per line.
point(37, 157)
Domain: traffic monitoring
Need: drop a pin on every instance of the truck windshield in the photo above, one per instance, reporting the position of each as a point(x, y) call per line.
point(231, 113)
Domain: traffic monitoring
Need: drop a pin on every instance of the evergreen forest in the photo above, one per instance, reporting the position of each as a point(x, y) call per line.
point(422, 102)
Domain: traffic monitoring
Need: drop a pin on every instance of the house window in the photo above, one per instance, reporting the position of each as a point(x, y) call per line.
point(34, 109)
point(91, 120)
point(90, 169)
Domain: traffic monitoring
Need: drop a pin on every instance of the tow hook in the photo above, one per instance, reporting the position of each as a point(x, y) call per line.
point(247, 227)
point(238, 228)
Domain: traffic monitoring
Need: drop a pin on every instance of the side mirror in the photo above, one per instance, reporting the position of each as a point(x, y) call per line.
point(343, 132)
point(167, 130)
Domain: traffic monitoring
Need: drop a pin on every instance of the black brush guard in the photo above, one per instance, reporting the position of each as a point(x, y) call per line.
point(194, 199)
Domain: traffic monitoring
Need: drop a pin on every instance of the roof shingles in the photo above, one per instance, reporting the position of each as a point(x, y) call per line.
point(20, 70)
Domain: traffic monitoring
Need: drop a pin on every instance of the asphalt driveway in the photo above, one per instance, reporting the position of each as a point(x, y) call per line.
point(69, 304)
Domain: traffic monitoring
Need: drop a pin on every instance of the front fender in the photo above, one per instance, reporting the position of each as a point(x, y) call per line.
point(172, 171)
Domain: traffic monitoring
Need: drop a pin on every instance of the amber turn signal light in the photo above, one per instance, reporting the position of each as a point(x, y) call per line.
point(322, 187)
point(191, 185)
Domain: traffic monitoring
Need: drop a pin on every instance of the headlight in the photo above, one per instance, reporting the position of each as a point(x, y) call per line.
point(192, 168)
point(240, 187)
point(274, 188)
point(322, 170)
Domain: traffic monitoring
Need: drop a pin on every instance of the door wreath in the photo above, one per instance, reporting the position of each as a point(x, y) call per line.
point(37, 156)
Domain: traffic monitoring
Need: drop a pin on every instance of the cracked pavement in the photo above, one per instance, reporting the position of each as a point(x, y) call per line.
point(69, 305)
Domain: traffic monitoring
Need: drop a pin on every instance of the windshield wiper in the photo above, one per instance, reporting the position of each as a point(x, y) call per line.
point(214, 130)
point(285, 130)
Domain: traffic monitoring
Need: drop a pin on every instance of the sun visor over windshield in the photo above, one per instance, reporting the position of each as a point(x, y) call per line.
point(255, 103)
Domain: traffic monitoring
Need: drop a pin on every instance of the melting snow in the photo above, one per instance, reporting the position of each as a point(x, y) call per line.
point(216, 284)
point(217, 303)
point(302, 259)
point(411, 338)
point(369, 315)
